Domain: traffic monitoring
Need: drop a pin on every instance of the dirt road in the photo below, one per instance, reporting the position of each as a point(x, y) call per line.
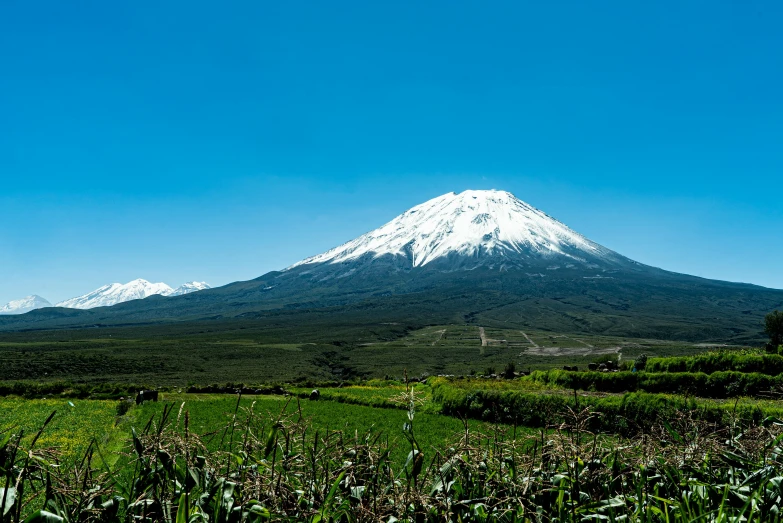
point(534, 344)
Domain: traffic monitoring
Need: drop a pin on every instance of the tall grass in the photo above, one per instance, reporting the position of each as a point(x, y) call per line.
point(276, 467)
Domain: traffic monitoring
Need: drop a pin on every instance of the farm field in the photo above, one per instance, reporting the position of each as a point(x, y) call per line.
point(242, 353)
point(212, 413)
point(401, 445)
point(77, 422)
point(376, 405)
point(481, 406)
point(463, 350)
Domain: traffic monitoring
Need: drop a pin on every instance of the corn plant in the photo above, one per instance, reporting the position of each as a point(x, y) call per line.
point(278, 468)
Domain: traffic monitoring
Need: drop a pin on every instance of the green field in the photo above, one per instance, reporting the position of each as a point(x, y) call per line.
point(77, 422)
point(285, 457)
point(179, 355)
point(693, 435)
point(374, 406)
point(73, 428)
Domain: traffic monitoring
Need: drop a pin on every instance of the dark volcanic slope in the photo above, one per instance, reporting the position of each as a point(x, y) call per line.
point(480, 257)
point(647, 303)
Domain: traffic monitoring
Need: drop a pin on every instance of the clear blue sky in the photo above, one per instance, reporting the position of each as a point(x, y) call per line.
point(217, 141)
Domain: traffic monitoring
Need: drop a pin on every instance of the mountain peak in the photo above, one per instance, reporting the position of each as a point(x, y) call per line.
point(138, 289)
point(25, 304)
point(115, 293)
point(477, 225)
point(188, 287)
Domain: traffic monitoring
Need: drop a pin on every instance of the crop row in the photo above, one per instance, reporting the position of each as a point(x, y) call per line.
point(710, 362)
point(67, 389)
point(721, 384)
point(627, 413)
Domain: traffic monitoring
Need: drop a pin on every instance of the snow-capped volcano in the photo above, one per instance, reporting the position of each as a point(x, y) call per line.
point(27, 304)
point(187, 288)
point(115, 293)
point(478, 257)
point(471, 228)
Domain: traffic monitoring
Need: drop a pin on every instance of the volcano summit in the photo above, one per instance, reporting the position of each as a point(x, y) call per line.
point(470, 230)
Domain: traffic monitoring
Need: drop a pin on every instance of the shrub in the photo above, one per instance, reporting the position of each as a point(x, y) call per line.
point(622, 414)
point(710, 362)
point(67, 389)
point(123, 406)
point(605, 358)
point(716, 385)
point(773, 327)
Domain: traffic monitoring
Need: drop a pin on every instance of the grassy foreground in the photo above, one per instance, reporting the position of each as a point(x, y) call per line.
point(221, 458)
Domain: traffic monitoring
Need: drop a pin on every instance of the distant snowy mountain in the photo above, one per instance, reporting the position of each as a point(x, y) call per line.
point(27, 304)
point(115, 293)
point(468, 230)
point(187, 288)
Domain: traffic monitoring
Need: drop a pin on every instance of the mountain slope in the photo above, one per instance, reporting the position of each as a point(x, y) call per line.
point(475, 257)
point(24, 305)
